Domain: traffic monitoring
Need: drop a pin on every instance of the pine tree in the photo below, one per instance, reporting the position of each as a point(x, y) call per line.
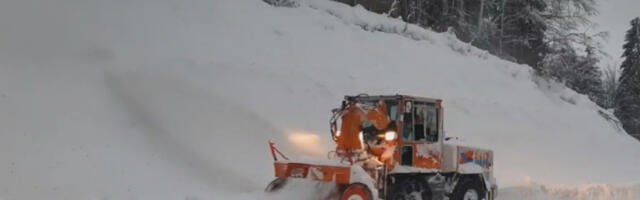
point(578, 72)
point(628, 94)
point(610, 86)
point(282, 3)
point(589, 79)
point(523, 30)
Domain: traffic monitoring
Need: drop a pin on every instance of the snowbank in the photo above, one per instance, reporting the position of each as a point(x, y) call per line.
point(176, 100)
point(532, 191)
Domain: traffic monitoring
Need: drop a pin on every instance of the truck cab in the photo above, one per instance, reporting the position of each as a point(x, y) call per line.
point(421, 156)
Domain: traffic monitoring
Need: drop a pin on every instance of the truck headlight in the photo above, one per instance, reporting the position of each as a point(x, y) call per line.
point(390, 135)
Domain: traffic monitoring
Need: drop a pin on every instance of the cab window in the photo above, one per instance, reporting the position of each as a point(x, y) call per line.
point(420, 122)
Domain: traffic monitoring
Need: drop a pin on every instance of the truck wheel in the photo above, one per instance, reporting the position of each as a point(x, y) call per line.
point(469, 189)
point(356, 191)
point(410, 189)
point(276, 185)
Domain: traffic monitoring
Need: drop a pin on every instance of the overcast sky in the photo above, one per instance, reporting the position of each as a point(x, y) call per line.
point(615, 16)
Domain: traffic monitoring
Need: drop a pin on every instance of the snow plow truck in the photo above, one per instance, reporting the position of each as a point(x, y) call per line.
point(392, 147)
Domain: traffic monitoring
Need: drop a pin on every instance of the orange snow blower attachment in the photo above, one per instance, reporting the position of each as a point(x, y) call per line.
point(354, 115)
point(325, 173)
point(353, 178)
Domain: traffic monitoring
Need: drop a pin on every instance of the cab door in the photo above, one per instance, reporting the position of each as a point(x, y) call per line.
point(420, 131)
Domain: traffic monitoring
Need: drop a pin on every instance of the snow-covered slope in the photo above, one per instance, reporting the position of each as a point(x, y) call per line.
point(175, 100)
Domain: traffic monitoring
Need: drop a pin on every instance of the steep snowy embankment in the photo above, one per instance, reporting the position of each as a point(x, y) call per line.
point(171, 100)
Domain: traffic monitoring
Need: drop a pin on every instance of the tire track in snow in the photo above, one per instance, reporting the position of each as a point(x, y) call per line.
point(213, 140)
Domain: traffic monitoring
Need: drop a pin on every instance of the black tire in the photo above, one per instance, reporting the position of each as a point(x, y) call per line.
point(276, 185)
point(468, 185)
point(407, 188)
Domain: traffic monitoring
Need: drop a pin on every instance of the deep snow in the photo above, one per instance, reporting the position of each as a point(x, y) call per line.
point(176, 100)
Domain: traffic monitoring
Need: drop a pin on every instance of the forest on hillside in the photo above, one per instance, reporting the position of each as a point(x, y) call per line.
point(554, 37)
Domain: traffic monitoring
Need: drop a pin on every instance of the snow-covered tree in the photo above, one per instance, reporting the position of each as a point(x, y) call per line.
point(610, 85)
point(566, 16)
point(578, 72)
point(282, 3)
point(628, 95)
point(589, 77)
point(572, 52)
point(564, 19)
point(522, 30)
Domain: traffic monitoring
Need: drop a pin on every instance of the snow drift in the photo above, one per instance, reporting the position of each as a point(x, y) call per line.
point(176, 100)
point(562, 192)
